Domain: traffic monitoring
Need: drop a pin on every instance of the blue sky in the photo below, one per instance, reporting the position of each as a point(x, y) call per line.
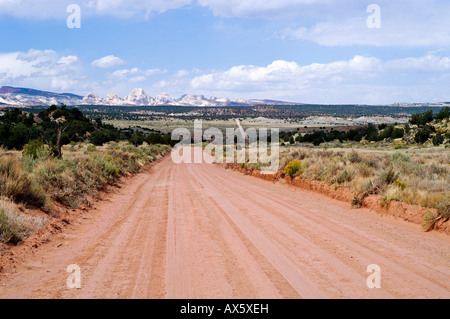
point(312, 51)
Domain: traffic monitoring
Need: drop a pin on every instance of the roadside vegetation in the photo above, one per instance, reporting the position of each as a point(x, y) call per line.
point(36, 179)
point(407, 163)
point(414, 176)
point(60, 157)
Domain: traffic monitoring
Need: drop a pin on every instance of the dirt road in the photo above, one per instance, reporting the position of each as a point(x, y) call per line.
point(200, 231)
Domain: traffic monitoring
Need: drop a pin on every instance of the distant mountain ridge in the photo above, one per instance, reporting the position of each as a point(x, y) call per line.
point(22, 97)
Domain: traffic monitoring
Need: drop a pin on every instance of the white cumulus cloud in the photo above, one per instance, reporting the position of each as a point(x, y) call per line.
point(361, 79)
point(108, 61)
point(50, 9)
point(68, 59)
point(285, 75)
point(135, 7)
point(136, 73)
point(339, 23)
point(261, 8)
point(43, 69)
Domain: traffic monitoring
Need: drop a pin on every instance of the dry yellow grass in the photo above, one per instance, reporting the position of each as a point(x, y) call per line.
point(83, 170)
point(419, 176)
point(14, 225)
point(422, 175)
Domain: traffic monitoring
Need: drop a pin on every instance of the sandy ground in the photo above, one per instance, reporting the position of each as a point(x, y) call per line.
point(200, 231)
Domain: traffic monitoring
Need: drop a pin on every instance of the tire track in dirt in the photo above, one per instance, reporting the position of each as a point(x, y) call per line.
point(366, 248)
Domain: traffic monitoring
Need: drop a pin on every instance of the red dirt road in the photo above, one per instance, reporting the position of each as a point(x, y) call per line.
point(200, 231)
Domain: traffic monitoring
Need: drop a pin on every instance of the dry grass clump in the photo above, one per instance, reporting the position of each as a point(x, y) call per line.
point(14, 225)
point(443, 212)
point(365, 169)
point(16, 183)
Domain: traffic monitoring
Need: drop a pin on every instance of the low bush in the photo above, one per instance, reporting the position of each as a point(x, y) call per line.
point(429, 220)
point(293, 168)
point(443, 207)
point(36, 149)
point(354, 157)
point(443, 212)
point(345, 176)
point(422, 135)
point(15, 226)
point(400, 185)
point(15, 183)
point(438, 139)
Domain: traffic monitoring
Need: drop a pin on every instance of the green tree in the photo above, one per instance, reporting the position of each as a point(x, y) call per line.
point(137, 139)
point(100, 137)
point(443, 114)
point(438, 139)
point(398, 133)
point(19, 136)
point(317, 141)
point(167, 140)
point(421, 119)
point(422, 135)
point(154, 138)
point(386, 133)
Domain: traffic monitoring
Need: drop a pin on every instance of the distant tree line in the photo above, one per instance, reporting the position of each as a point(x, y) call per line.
point(153, 138)
point(374, 133)
point(60, 126)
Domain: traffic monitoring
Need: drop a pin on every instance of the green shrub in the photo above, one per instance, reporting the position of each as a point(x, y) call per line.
point(443, 206)
point(422, 119)
point(293, 168)
point(438, 139)
point(388, 177)
point(443, 114)
point(36, 149)
point(354, 157)
point(398, 133)
point(291, 140)
point(137, 139)
point(422, 135)
point(365, 170)
point(100, 137)
point(345, 176)
point(154, 138)
point(400, 157)
point(400, 185)
point(386, 133)
point(357, 201)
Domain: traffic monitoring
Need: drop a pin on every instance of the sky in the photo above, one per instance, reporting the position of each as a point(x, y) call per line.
point(306, 51)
